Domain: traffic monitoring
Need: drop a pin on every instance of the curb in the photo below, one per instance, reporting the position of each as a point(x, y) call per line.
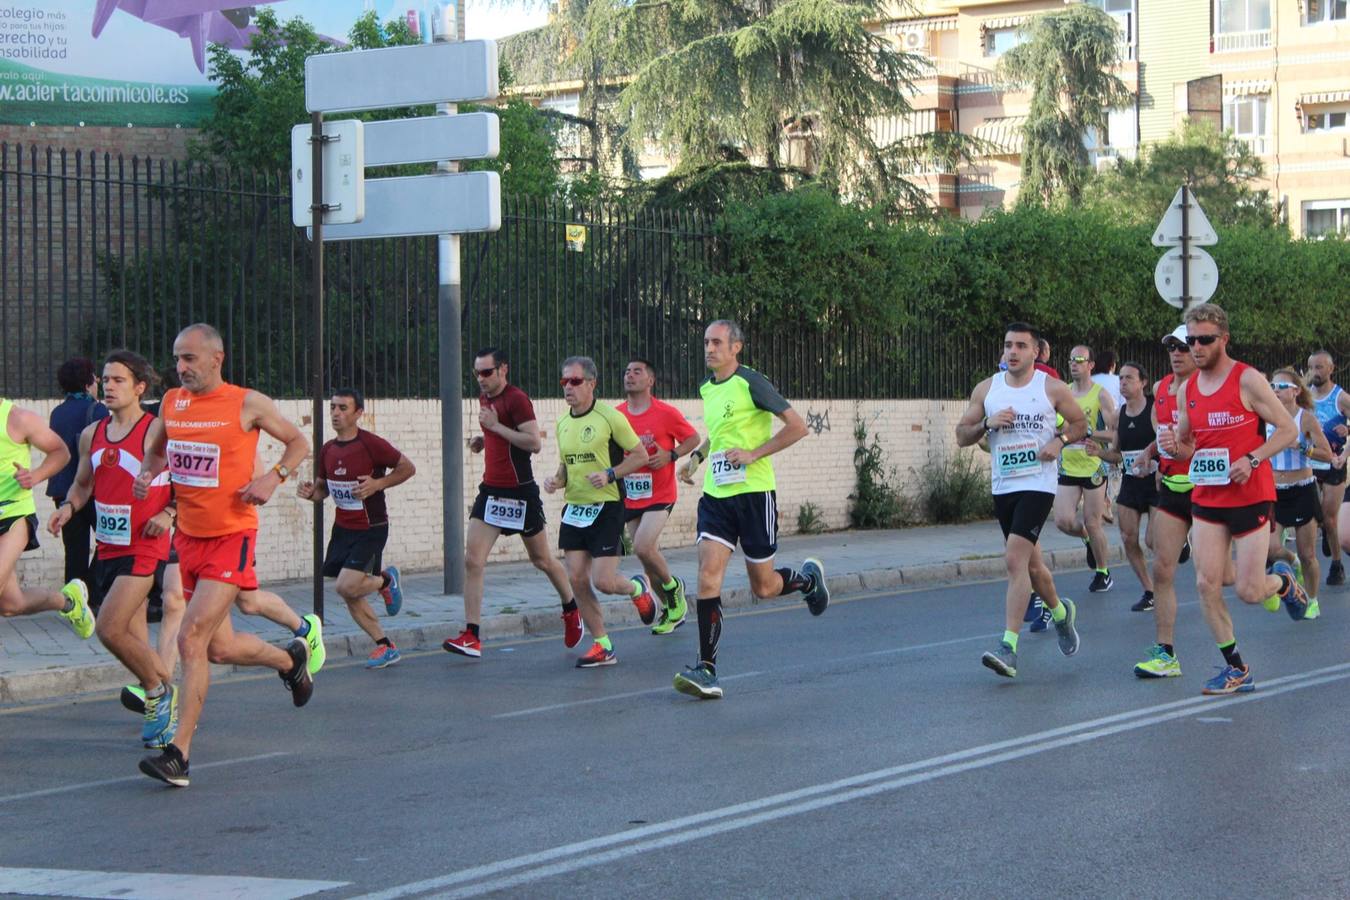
point(61, 681)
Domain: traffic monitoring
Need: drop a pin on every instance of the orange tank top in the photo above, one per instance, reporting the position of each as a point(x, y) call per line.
point(210, 459)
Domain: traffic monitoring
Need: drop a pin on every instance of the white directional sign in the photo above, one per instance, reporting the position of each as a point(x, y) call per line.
point(426, 204)
point(1204, 276)
point(399, 141)
point(401, 76)
point(344, 173)
point(1168, 232)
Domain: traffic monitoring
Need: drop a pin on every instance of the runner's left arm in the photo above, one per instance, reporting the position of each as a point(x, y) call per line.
point(261, 413)
point(1319, 448)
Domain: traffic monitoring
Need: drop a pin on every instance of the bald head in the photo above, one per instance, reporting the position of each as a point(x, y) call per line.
point(198, 353)
point(1320, 369)
point(207, 334)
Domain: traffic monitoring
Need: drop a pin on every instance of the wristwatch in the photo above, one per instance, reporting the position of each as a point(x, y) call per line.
point(282, 471)
point(609, 473)
point(698, 453)
point(1251, 458)
point(674, 455)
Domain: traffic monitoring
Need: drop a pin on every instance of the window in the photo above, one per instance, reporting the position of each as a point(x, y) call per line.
point(1319, 11)
point(998, 41)
point(1241, 15)
point(1245, 116)
point(1123, 12)
point(1324, 217)
point(1325, 119)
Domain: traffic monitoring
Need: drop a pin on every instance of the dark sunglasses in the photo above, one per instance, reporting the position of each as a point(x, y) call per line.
point(574, 382)
point(1202, 339)
point(1174, 346)
point(485, 373)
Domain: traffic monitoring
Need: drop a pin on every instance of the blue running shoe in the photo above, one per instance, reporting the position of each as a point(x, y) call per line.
point(382, 656)
point(393, 595)
point(1294, 596)
point(1231, 680)
point(1033, 607)
point(161, 719)
point(1043, 618)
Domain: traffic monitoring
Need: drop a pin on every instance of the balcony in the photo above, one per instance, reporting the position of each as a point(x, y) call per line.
point(1238, 41)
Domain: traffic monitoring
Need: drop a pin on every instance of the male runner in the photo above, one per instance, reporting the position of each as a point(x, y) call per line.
point(1332, 407)
point(355, 469)
point(649, 493)
point(1220, 414)
point(593, 438)
point(208, 437)
point(132, 535)
point(24, 430)
point(1131, 449)
point(1016, 410)
point(740, 500)
point(1043, 359)
point(1082, 477)
point(508, 499)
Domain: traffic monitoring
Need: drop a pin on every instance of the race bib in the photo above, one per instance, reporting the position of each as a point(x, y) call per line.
point(638, 487)
point(194, 464)
point(724, 471)
point(1017, 459)
point(112, 523)
point(343, 496)
point(504, 512)
point(582, 515)
point(1209, 467)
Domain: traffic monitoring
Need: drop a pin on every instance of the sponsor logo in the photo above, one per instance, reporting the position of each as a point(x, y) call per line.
point(587, 434)
point(182, 402)
point(109, 458)
point(1225, 419)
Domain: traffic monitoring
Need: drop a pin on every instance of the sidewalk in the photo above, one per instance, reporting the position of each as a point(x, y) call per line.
point(41, 658)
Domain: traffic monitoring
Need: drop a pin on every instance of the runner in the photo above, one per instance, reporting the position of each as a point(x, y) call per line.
point(25, 430)
point(1132, 450)
point(740, 500)
point(207, 436)
point(1332, 406)
point(649, 493)
point(1220, 411)
point(1016, 410)
point(132, 536)
point(1043, 359)
point(1082, 477)
point(508, 499)
point(355, 469)
point(1296, 502)
point(1104, 373)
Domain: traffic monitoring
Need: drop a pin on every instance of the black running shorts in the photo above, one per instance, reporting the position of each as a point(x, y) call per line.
point(501, 508)
point(1332, 477)
point(1023, 513)
point(1239, 520)
point(361, 549)
point(31, 522)
point(600, 538)
point(1297, 505)
point(1138, 494)
point(750, 519)
point(1175, 503)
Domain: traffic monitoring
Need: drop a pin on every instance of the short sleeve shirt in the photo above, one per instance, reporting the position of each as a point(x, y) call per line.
point(739, 414)
point(593, 442)
point(504, 464)
point(341, 465)
point(659, 427)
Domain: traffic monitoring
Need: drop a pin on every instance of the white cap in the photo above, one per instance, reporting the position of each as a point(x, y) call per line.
point(1179, 333)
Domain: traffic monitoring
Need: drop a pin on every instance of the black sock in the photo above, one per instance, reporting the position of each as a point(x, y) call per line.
point(385, 580)
point(1231, 655)
point(1148, 595)
point(793, 582)
point(384, 642)
point(472, 628)
point(569, 606)
point(709, 630)
point(1167, 648)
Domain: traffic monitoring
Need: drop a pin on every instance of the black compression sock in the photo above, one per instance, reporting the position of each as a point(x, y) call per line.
point(473, 628)
point(1231, 655)
point(1148, 595)
point(709, 629)
point(793, 582)
point(384, 642)
point(385, 580)
point(1167, 648)
point(570, 606)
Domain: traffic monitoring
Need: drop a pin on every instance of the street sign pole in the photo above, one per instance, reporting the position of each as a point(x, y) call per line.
point(1185, 248)
point(316, 351)
point(449, 304)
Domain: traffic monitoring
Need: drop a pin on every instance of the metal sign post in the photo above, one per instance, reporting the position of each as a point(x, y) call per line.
point(316, 209)
point(1189, 276)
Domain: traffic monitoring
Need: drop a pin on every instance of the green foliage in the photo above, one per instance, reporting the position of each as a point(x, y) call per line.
point(528, 164)
point(955, 489)
point(809, 519)
point(877, 503)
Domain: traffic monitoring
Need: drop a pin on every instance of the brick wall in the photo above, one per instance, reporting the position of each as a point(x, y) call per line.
point(157, 143)
point(819, 469)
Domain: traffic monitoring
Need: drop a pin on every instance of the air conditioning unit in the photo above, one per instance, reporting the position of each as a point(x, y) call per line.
point(915, 40)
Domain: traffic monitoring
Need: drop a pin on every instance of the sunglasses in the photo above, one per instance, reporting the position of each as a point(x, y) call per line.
point(485, 373)
point(1080, 359)
point(574, 382)
point(1282, 385)
point(1174, 346)
point(1202, 339)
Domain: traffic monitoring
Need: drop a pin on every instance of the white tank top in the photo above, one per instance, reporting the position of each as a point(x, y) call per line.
point(1293, 458)
point(1014, 451)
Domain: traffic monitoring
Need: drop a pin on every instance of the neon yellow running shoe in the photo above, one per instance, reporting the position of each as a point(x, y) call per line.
point(1314, 609)
point(317, 654)
point(1271, 603)
point(80, 617)
point(672, 617)
point(1160, 664)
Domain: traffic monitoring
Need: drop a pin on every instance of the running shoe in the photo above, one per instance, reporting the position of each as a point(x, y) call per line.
point(698, 681)
point(1144, 604)
point(382, 656)
point(298, 680)
point(1101, 582)
point(1336, 574)
point(671, 618)
point(1091, 557)
point(393, 594)
point(573, 628)
point(677, 598)
point(169, 767)
point(1160, 664)
point(1231, 680)
point(465, 644)
point(79, 617)
point(1066, 630)
point(1271, 603)
point(1003, 660)
point(1043, 617)
point(1295, 597)
point(161, 719)
point(1314, 609)
point(1033, 608)
point(133, 698)
point(1185, 553)
point(644, 600)
point(818, 597)
point(596, 656)
point(314, 641)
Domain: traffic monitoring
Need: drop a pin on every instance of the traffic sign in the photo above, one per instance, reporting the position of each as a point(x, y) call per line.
point(1204, 275)
point(1169, 232)
point(401, 76)
point(398, 141)
point(426, 204)
point(344, 173)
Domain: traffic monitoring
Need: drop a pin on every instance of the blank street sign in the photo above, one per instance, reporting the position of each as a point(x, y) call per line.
point(401, 76)
point(344, 173)
point(426, 204)
point(430, 138)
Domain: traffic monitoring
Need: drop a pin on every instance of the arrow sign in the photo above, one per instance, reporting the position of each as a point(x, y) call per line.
point(426, 204)
point(1204, 276)
point(401, 76)
point(1168, 232)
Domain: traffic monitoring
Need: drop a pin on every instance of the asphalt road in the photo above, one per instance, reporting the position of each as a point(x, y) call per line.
point(864, 753)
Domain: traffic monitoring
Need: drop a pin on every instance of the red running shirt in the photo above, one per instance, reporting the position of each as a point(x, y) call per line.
point(1165, 406)
point(659, 426)
point(1220, 422)
point(504, 464)
point(119, 518)
point(343, 463)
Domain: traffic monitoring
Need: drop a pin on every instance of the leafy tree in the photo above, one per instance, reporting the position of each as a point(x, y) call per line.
point(1067, 60)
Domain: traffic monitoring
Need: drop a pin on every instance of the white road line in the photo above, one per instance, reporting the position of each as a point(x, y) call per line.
point(70, 788)
point(582, 854)
point(155, 886)
point(608, 697)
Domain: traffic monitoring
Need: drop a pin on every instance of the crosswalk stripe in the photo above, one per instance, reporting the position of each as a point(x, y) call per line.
point(155, 886)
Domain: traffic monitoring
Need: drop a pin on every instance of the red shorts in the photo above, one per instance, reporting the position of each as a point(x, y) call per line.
point(228, 558)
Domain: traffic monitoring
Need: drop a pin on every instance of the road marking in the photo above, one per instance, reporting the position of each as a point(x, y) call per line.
point(608, 697)
point(70, 788)
point(498, 876)
point(155, 886)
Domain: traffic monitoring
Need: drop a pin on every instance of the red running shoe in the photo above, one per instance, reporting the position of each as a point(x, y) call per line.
point(645, 601)
point(597, 656)
point(465, 644)
point(572, 628)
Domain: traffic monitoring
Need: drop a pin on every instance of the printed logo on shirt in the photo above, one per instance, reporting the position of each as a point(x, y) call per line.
point(182, 402)
point(587, 434)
